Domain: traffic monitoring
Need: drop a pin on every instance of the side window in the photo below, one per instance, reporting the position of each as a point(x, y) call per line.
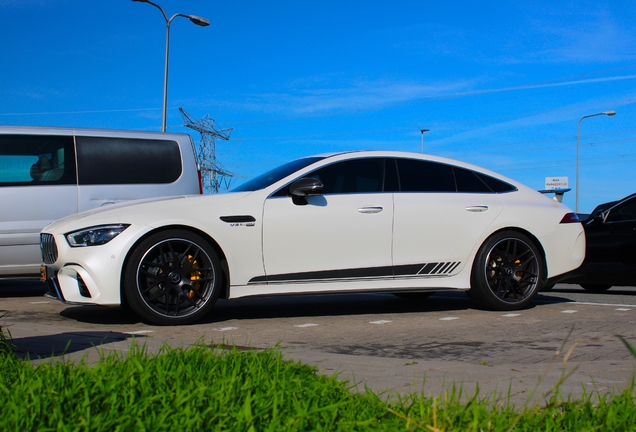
point(623, 212)
point(469, 182)
point(352, 176)
point(424, 176)
point(127, 161)
point(36, 160)
point(496, 185)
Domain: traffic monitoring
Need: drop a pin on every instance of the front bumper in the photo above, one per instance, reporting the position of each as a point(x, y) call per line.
point(67, 285)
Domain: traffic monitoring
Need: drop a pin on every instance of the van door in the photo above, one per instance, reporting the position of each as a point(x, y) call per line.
point(38, 185)
point(117, 169)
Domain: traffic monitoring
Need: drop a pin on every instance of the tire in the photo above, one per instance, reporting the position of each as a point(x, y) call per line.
point(414, 296)
point(508, 272)
point(596, 288)
point(172, 278)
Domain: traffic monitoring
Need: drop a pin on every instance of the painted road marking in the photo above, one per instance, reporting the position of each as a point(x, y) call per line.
point(136, 332)
point(623, 309)
point(225, 328)
point(40, 302)
point(448, 318)
point(380, 322)
point(511, 315)
point(305, 325)
point(569, 311)
point(584, 303)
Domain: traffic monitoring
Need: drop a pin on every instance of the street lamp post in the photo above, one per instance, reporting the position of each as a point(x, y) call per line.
point(196, 20)
point(578, 149)
point(423, 131)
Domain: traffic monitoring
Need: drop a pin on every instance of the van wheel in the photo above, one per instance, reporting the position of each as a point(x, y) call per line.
point(172, 278)
point(508, 272)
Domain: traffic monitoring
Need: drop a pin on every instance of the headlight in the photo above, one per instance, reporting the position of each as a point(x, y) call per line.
point(94, 236)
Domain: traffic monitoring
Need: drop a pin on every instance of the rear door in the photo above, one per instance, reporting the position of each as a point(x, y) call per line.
point(37, 186)
point(440, 213)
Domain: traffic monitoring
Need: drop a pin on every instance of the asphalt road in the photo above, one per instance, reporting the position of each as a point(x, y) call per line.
point(381, 341)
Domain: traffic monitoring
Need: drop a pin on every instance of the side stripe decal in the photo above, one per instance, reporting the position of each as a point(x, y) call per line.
point(407, 270)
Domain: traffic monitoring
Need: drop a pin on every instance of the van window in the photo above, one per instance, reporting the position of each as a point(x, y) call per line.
point(127, 161)
point(27, 160)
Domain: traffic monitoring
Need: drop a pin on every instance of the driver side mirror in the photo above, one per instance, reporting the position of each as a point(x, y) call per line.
point(599, 217)
point(305, 187)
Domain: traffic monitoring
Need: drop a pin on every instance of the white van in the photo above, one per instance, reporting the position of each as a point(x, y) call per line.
point(47, 173)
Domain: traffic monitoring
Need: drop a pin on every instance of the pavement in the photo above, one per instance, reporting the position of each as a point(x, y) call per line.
point(567, 341)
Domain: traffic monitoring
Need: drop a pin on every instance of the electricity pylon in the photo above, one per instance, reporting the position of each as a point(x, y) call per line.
point(213, 173)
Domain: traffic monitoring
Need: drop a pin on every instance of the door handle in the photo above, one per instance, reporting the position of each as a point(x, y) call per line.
point(370, 209)
point(477, 209)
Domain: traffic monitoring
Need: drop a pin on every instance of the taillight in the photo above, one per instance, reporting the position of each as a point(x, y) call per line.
point(570, 218)
point(200, 182)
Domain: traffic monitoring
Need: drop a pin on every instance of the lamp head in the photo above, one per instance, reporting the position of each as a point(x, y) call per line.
point(200, 21)
point(609, 113)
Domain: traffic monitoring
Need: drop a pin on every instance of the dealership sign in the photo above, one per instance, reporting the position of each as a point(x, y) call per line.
point(552, 183)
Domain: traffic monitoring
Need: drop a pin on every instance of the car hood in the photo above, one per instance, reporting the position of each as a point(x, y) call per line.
point(114, 213)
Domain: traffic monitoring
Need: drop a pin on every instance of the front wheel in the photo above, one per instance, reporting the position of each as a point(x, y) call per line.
point(508, 272)
point(172, 277)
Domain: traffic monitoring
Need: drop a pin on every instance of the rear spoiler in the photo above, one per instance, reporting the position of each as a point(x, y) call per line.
point(558, 193)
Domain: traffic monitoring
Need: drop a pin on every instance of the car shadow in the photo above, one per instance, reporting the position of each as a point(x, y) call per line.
point(48, 346)
point(298, 306)
point(615, 290)
point(101, 315)
point(332, 305)
point(22, 288)
point(288, 306)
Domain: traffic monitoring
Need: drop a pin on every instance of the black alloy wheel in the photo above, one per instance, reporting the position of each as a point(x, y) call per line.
point(172, 278)
point(507, 273)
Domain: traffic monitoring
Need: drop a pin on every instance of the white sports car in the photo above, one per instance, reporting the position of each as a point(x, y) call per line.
point(372, 221)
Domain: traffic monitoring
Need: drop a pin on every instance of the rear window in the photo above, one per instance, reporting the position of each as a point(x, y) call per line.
point(27, 160)
point(427, 176)
point(127, 161)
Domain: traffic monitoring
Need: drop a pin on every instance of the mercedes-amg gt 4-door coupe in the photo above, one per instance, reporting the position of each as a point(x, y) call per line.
point(367, 221)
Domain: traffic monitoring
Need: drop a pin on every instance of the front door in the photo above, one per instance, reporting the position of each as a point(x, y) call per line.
point(342, 235)
point(38, 186)
point(610, 248)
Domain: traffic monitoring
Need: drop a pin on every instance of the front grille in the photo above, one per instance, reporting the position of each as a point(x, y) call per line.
point(48, 248)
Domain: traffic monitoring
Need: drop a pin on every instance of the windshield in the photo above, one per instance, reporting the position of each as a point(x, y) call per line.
point(271, 177)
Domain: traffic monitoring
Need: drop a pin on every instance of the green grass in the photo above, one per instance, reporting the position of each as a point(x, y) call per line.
point(205, 388)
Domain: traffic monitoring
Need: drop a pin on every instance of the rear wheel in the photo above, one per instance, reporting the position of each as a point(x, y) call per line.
point(507, 273)
point(172, 277)
point(596, 288)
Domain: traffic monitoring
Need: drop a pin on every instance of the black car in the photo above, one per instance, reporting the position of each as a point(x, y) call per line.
point(610, 257)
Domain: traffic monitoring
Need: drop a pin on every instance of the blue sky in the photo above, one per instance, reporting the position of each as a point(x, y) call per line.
point(501, 85)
